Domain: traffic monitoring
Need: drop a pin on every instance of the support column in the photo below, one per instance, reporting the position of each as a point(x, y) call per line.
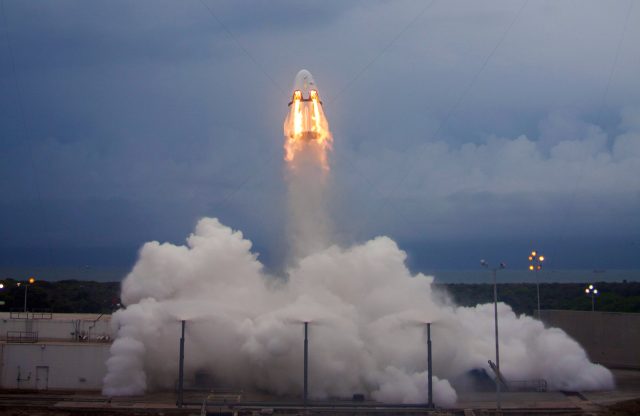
point(306, 361)
point(429, 368)
point(181, 370)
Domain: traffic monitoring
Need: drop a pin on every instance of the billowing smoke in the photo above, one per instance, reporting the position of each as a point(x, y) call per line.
point(367, 314)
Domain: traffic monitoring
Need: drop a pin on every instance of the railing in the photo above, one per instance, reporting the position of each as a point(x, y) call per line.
point(14, 314)
point(22, 336)
point(34, 314)
point(539, 385)
point(41, 314)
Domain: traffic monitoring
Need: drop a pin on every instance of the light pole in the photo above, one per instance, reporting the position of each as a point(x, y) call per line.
point(181, 367)
point(494, 272)
point(535, 264)
point(429, 369)
point(306, 363)
point(30, 281)
point(591, 290)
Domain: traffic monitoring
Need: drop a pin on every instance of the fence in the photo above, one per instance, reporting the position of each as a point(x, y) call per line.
point(22, 337)
point(539, 385)
point(34, 314)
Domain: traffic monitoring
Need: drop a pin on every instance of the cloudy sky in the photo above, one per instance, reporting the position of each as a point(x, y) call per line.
point(462, 129)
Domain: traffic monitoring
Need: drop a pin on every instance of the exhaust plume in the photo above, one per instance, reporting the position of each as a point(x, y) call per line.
point(307, 143)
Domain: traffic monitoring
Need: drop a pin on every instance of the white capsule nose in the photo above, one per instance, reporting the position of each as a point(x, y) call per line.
point(304, 82)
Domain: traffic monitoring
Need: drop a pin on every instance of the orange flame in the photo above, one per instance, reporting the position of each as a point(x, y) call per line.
point(305, 125)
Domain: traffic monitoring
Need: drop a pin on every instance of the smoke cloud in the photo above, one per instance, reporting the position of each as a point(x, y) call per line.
point(367, 314)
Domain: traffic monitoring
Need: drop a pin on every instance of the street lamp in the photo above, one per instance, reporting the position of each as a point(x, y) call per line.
point(494, 271)
point(591, 290)
point(30, 281)
point(535, 264)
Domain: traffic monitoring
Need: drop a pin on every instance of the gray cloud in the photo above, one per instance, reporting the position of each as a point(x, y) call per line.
point(151, 115)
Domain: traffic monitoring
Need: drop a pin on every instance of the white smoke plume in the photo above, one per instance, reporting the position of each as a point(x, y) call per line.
point(367, 314)
point(307, 180)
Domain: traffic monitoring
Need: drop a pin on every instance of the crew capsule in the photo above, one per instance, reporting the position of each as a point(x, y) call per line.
point(306, 119)
point(304, 88)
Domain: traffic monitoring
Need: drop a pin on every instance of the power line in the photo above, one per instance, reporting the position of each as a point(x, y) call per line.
point(599, 116)
point(452, 110)
point(233, 192)
point(243, 49)
point(462, 96)
point(617, 54)
point(249, 177)
point(253, 173)
point(382, 52)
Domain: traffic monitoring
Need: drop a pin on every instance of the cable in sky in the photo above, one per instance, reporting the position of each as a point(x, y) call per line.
point(382, 52)
point(243, 49)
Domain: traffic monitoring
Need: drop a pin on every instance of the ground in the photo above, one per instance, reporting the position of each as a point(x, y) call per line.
point(624, 401)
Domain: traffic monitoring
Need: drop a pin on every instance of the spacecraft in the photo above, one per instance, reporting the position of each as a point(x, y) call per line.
point(306, 119)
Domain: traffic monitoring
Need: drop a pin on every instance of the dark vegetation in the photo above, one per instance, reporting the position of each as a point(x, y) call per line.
point(77, 296)
point(612, 297)
point(83, 296)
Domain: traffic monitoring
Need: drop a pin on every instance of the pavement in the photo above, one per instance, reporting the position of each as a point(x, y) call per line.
point(469, 403)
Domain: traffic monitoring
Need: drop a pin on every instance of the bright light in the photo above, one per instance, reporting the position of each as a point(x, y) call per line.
point(531, 267)
point(591, 290)
point(32, 280)
point(533, 253)
point(306, 125)
point(1, 285)
point(530, 258)
point(541, 258)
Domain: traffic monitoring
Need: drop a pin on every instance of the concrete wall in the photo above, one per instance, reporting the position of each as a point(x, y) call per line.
point(610, 338)
point(52, 366)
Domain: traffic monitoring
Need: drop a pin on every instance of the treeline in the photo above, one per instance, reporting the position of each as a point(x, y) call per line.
point(64, 296)
point(80, 296)
point(612, 296)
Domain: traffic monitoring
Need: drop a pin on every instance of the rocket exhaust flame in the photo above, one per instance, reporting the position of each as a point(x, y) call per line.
point(306, 124)
point(307, 144)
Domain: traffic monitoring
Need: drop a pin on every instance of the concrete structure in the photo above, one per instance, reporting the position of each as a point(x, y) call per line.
point(610, 338)
point(44, 351)
point(53, 366)
point(57, 326)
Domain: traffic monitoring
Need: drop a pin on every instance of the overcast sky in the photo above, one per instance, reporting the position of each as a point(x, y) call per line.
point(462, 129)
